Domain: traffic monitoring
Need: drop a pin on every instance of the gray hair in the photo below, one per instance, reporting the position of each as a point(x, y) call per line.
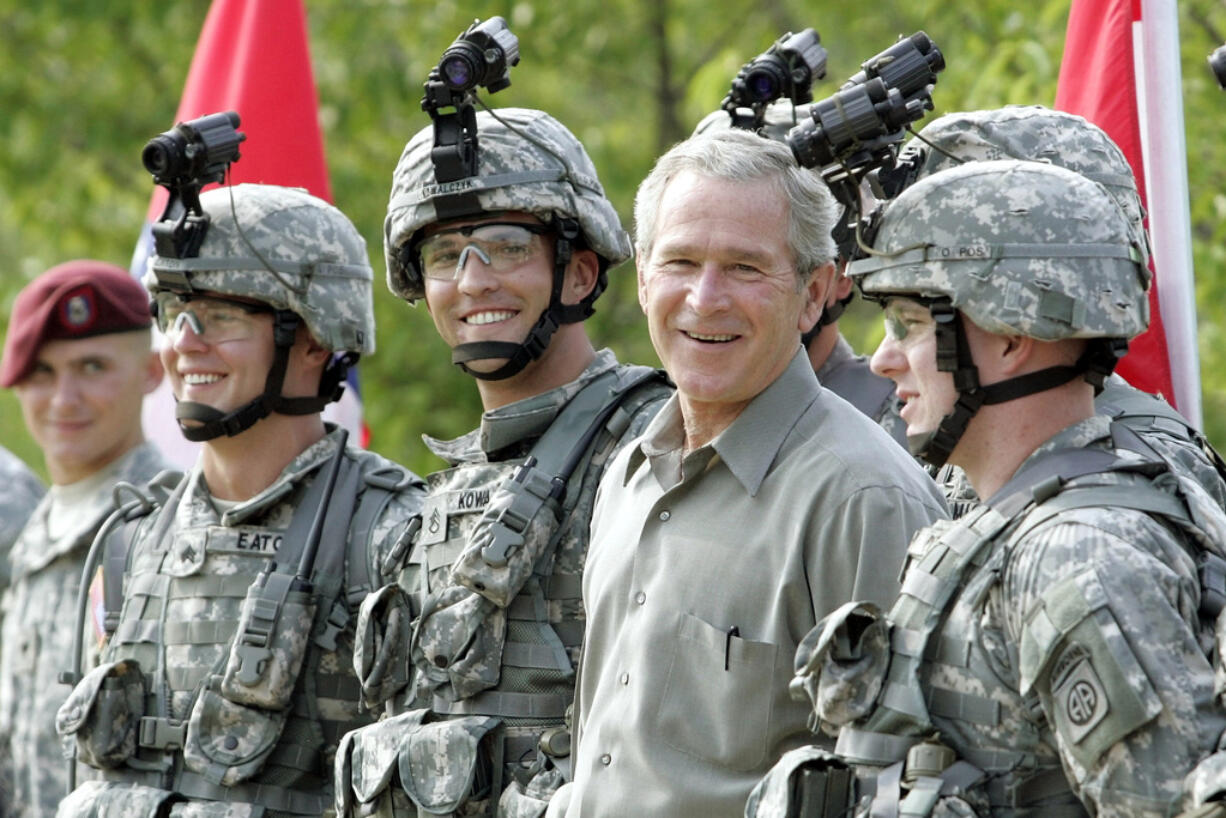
point(742, 156)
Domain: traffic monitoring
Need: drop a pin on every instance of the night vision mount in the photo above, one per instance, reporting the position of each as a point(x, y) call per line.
point(183, 160)
point(860, 127)
point(787, 69)
point(481, 57)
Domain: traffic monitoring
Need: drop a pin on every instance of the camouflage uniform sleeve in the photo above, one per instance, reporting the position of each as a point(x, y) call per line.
point(389, 538)
point(1103, 614)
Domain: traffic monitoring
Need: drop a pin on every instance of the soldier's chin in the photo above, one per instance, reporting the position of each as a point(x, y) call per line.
point(486, 365)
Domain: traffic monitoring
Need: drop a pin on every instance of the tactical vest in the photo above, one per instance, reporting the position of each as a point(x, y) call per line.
point(938, 649)
point(185, 724)
point(495, 661)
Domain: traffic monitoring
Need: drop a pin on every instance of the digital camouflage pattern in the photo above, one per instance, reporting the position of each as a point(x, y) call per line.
point(1069, 659)
point(471, 656)
point(288, 249)
point(183, 592)
point(40, 620)
point(1172, 438)
point(1018, 247)
point(1033, 133)
point(22, 492)
point(526, 161)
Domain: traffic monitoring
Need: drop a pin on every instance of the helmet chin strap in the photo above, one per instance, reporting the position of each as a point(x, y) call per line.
point(954, 355)
point(555, 315)
point(829, 315)
point(210, 423)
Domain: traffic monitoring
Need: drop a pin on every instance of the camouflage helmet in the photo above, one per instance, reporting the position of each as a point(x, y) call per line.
point(1030, 132)
point(526, 161)
point(1021, 248)
point(289, 250)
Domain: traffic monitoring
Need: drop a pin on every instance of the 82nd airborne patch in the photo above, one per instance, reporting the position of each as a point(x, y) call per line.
point(1078, 693)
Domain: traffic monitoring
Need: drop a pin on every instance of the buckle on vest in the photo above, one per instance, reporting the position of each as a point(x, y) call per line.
point(162, 734)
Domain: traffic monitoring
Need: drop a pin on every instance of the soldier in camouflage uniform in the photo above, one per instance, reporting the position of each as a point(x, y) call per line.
point(1048, 655)
point(22, 492)
point(79, 356)
point(1041, 134)
point(475, 690)
point(837, 365)
point(227, 680)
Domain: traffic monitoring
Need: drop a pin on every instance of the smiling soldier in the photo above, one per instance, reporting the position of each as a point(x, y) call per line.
point(509, 270)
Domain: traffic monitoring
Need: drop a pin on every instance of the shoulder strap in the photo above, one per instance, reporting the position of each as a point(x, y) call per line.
point(118, 547)
point(543, 479)
point(379, 487)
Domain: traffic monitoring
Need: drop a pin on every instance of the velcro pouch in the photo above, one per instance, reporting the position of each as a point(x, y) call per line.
point(443, 764)
point(512, 534)
point(381, 645)
point(530, 800)
point(375, 754)
point(805, 781)
point(228, 742)
point(458, 643)
point(266, 654)
point(103, 712)
point(841, 663)
point(113, 799)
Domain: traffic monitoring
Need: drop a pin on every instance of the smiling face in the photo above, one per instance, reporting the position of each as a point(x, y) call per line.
point(485, 304)
point(908, 356)
point(82, 400)
point(724, 305)
point(224, 374)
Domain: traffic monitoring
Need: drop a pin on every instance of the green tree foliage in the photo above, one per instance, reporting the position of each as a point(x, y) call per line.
point(83, 85)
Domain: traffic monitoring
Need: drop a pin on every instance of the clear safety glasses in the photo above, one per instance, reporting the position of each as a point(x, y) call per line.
point(214, 320)
point(502, 246)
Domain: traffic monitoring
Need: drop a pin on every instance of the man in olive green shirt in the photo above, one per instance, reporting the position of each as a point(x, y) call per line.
point(754, 504)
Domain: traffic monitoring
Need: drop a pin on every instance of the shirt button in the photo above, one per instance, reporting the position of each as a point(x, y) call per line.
point(640, 597)
point(625, 678)
point(664, 515)
point(606, 759)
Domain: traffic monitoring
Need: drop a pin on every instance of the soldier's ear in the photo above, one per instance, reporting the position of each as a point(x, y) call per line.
point(154, 372)
point(581, 276)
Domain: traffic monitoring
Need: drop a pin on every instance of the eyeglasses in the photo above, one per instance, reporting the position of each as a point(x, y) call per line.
point(503, 246)
point(214, 320)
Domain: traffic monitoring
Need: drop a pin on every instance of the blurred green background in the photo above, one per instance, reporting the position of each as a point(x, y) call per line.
point(83, 85)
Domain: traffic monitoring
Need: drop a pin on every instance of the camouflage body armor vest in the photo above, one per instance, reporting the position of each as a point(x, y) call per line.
point(915, 737)
point(175, 710)
point(495, 588)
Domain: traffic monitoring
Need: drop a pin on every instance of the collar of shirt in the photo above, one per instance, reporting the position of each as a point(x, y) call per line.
point(748, 446)
point(522, 420)
point(310, 459)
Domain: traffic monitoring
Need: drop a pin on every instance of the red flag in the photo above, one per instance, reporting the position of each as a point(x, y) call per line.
point(1117, 73)
point(252, 57)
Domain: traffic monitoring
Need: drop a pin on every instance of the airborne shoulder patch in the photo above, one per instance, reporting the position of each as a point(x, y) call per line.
point(1078, 692)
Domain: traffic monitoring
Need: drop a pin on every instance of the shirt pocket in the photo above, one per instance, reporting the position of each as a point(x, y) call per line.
point(718, 696)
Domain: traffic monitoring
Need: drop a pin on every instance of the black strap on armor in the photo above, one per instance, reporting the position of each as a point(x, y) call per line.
point(954, 355)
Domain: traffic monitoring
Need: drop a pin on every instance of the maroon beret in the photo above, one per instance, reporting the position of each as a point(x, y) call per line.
point(76, 299)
